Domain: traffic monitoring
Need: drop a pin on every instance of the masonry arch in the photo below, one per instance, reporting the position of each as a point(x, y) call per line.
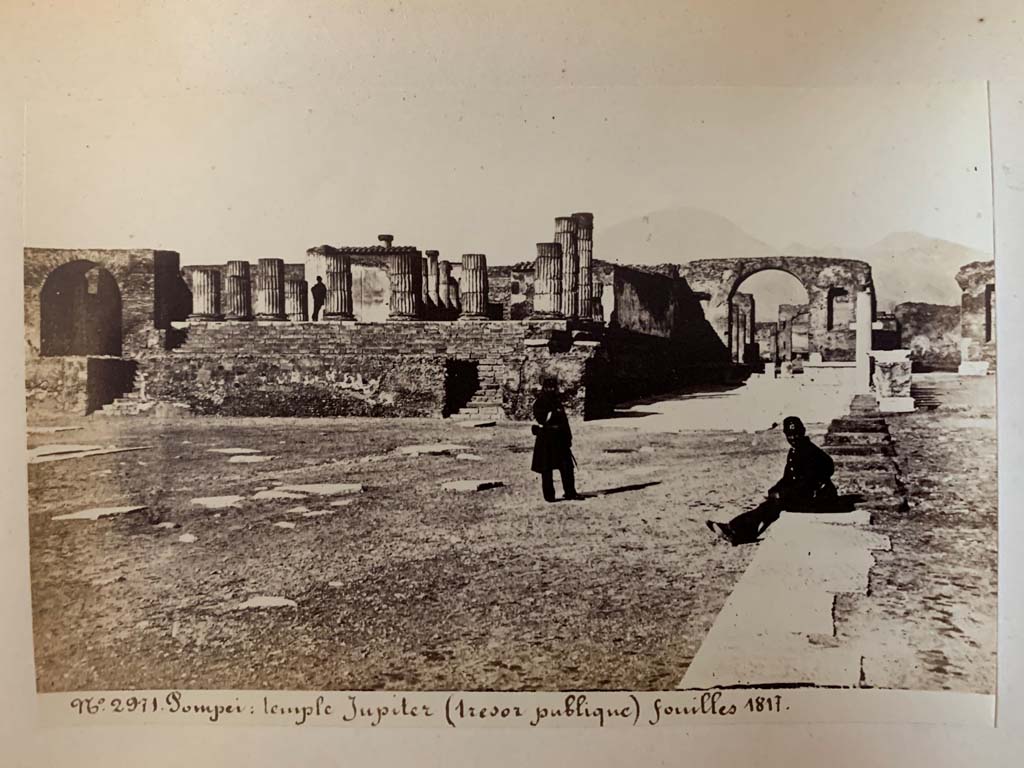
point(80, 311)
point(764, 306)
point(831, 287)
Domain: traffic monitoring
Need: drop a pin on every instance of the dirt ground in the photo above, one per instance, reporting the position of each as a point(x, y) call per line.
point(929, 620)
point(408, 586)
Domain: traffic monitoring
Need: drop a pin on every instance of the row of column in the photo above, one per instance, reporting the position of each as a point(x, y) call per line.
point(563, 272)
point(278, 298)
point(421, 288)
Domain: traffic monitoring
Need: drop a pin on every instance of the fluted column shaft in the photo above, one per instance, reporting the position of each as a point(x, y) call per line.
point(473, 285)
point(404, 272)
point(585, 250)
point(444, 282)
point(296, 300)
point(432, 277)
point(338, 305)
point(206, 294)
point(565, 236)
point(270, 286)
point(548, 293)
point(237, 293)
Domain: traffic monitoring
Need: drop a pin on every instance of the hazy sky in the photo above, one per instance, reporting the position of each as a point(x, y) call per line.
point(218, 178)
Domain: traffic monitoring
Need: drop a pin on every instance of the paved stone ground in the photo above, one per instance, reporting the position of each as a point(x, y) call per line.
point(928, 620)
point(403, 587)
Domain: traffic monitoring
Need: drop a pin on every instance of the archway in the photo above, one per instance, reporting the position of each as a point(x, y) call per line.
point(831, 286)
point(769, 314)
point(80, 312)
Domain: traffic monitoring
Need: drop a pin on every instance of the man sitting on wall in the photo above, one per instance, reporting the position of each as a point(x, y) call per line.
point(806, 485)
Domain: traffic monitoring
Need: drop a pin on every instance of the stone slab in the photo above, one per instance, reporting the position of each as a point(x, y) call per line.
point(249, 459)
point(96, 513)
point(468, 486)
point(896, 404)
point(323, 489)
point(49, 430)
point(479, 423)
point(432, 449)
point(276, 494)
point(267, 601)
point(234, 451)
point(217, 502)
point(95, 451)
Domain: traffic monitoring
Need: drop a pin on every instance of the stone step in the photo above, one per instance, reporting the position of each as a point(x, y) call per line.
point(862, 449)
point(857, 438)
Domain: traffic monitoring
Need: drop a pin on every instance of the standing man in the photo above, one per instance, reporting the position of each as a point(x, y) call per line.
point(806, 483)
point(553, 447)
point(319, 291)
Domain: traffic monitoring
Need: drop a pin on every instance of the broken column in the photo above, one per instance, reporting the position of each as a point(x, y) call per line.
point(270, 289)
point(565, 237)
point(432, 277)
point(585, 248)
point(455, 296)
point(425, 287)
point(892, 379)
point(296, 302)
point(338, 303)
point(205, 294)
point(548, 273)
point(404, 273)
point(238, 291)
point(473, 287)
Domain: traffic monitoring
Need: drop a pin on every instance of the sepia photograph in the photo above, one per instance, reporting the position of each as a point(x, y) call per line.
point(513, 390)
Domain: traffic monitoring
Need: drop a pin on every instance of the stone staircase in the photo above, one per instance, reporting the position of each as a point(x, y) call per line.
point(925, 396)
point(484, 404)
point(135, 403)
point(865, 457)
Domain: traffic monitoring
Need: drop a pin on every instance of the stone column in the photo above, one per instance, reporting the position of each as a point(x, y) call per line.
point(238, 291)
point(565, 236)
point(296, 300)
point(404, 273)
point(862, 323)
point(205, 294)
point(432, 277)
point(473, 288)
point(444, 281)
point(455, 295)
point(548, 272)
point(424, 287)
point(270, 286)
point(585, 247)
point(338, 304)
point(597, 300)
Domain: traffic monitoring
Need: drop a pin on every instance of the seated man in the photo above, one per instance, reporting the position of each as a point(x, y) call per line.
point(805, 484)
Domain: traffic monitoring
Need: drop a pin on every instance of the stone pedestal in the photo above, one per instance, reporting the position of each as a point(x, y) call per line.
point(296, 302)
point(548, 271)
point(473, 286)
point(404, 272)
point(862, 324)
point(585, 249)
point(974, 368)
point(237, 292)
point(338, 304)
point(206, 295)
point(270, 287)
point(892, 378)
point(565, 237)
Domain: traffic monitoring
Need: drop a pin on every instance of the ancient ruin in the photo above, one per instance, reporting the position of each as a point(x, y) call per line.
point(403, 332)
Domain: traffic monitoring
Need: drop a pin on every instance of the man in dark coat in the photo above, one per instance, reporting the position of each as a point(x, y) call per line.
point(553, 447)
point(806, 484)
point(319, 291)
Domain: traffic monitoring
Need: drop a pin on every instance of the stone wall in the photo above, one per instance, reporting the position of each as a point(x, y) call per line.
point(932, 334)
point(375, 369)
point(977, 317)
point(766, 335)
point(151, 291)
point(75, 385)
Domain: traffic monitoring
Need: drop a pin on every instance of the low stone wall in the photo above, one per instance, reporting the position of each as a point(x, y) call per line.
point(932, 334)
point(75, 385)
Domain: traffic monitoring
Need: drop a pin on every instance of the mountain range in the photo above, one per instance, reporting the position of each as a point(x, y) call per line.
point(906, 266)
